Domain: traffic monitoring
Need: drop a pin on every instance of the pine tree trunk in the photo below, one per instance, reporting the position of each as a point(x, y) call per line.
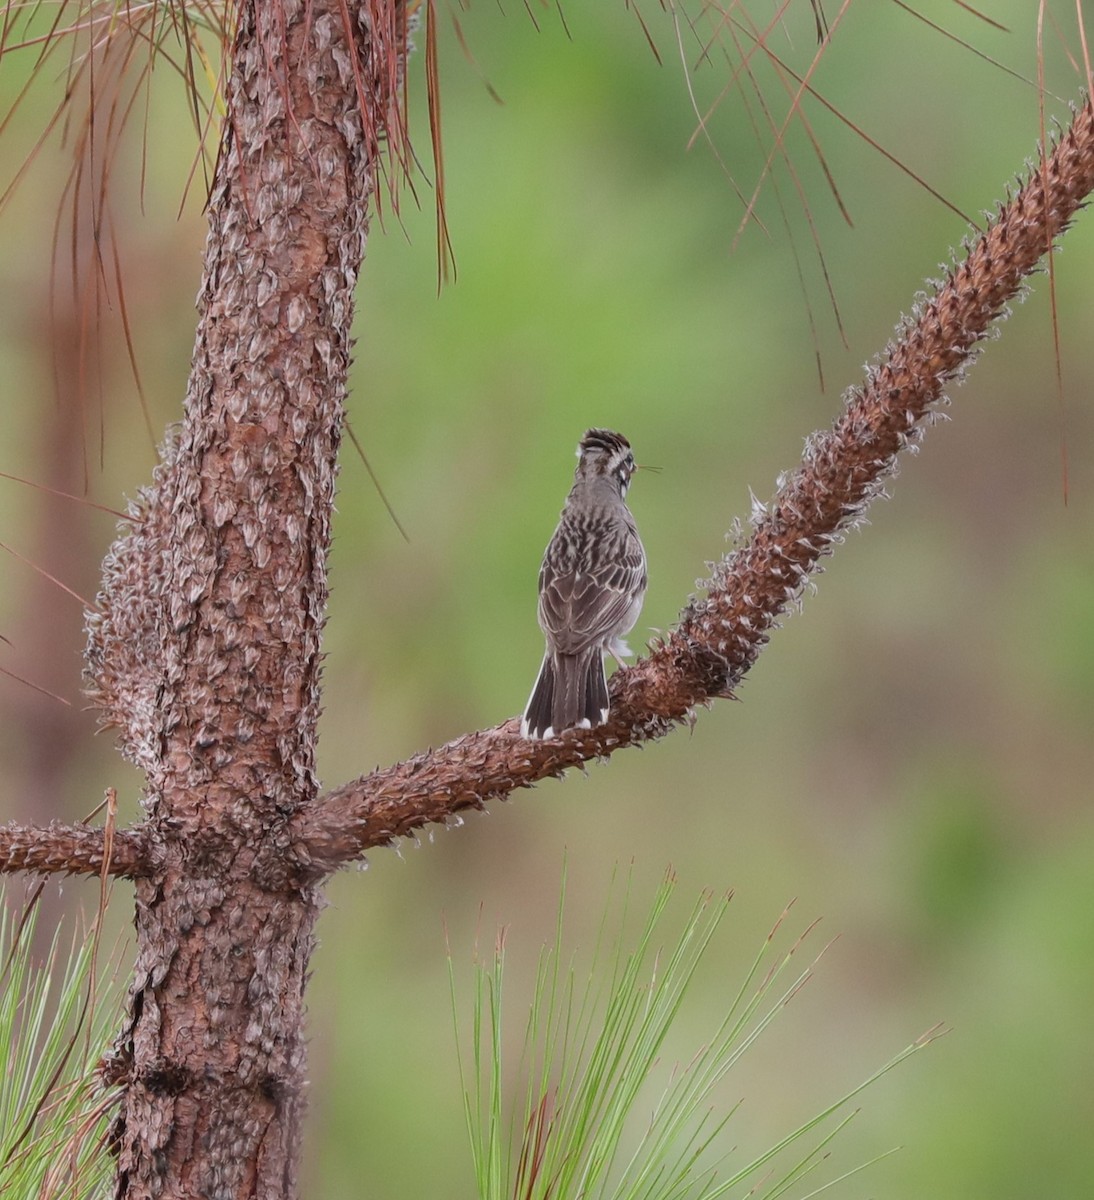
point(205, 648)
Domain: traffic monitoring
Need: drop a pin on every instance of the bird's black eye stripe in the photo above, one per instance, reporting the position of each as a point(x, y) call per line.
point(625, 470)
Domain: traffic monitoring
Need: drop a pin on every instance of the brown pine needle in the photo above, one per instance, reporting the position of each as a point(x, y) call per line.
point(41, 487)
point(872, 142)
point(982, 16)
point(45, 574)
point(36, 687)
point(968, 45)
point(1086, 47)
point(376, 482)
point(446, 263)
point(1051, 261)
point(472, 61)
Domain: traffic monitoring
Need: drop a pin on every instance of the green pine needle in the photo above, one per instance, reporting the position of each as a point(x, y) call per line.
point(53, 1113)
point(594, 1113)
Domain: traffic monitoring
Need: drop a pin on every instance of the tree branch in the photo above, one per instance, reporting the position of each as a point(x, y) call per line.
point(74, 850)
point(720, 636)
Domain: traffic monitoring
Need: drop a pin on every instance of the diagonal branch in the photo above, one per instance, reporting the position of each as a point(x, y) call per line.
point(720, 636)
point(74, 850)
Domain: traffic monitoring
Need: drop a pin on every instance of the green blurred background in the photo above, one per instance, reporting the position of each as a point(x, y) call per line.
point(912, 757)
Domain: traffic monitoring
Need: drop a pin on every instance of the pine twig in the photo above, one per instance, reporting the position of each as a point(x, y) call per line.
point(74, 850)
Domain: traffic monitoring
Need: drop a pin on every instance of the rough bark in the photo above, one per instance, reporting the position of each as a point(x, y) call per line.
point(205, 647)
point(75, 850)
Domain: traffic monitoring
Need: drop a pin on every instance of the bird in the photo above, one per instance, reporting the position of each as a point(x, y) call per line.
point(591, 586)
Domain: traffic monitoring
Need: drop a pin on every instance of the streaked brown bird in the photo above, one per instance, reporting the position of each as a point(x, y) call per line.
point(591, 586)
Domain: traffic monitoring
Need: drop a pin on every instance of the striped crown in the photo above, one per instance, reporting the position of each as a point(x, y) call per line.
point(603, 441)
point(603, 452)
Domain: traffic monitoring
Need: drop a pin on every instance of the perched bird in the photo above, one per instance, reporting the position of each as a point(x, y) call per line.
point(591, 586)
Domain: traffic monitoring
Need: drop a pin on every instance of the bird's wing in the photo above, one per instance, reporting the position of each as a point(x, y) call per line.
point(586, 606)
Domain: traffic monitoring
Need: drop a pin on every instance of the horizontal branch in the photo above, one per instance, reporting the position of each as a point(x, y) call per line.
point(720, 635)
point(73, 850)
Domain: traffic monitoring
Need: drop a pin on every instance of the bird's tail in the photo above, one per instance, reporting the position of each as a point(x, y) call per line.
point(572, 690)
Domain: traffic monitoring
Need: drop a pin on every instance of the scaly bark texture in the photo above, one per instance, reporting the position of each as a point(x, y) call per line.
point(720, 635)
point(204, 649)
point(74, 850)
